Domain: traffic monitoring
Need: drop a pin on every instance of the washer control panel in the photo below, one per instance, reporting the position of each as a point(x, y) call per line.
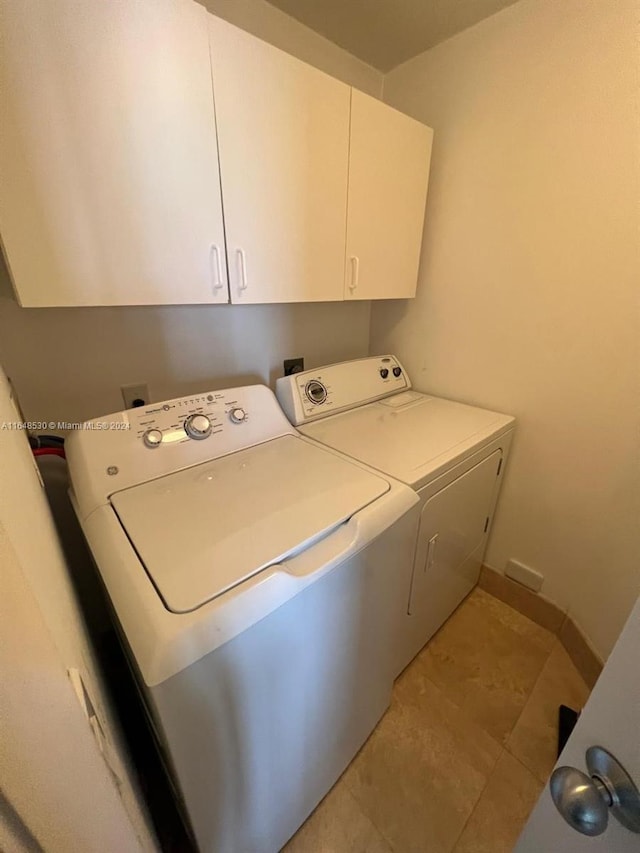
point(317, 393)
point(186, 419)
point(118, 451)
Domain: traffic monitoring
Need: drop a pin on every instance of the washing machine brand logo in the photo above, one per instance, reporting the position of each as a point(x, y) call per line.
point(112, 470)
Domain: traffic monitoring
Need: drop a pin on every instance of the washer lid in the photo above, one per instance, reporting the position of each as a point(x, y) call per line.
point(202, 531)
point(409, 436)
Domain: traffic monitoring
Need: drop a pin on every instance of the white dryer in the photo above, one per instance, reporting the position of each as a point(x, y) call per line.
point(253, 578)
point(452, 454)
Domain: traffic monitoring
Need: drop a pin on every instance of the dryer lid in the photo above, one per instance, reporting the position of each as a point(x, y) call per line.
point(409, 436)
point(201, 531)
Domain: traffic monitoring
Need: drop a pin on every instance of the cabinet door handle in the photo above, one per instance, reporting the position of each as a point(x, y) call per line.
point(355, 272)
point(242, 269)
point(216, 267)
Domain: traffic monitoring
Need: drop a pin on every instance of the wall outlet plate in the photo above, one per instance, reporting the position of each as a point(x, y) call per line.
point(135, 395)
point(293, 365)
point(524, 574)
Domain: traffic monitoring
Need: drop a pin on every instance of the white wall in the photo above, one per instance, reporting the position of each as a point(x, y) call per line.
point(70, 363)
point(530, 282)
point(63, 790)
point(54, 776)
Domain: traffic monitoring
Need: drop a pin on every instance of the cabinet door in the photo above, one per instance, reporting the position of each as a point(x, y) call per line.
point(283, 132)
point(388, 176)
point(110, 185)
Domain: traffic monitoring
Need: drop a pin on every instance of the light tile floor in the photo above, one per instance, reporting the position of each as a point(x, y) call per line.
point(461, 756)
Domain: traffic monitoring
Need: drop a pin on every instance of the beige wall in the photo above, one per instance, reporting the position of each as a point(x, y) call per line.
point(70, 363)
point(530, 282)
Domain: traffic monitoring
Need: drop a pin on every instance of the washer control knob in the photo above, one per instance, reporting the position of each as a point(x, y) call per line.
point(238, 416)
point(152, 438)
point(397, 371)
point(316, 392)
point(197, 426)
point(384, 372)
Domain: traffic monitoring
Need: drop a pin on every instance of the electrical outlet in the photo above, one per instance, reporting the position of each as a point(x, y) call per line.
point(135, 395)
point(293, 365)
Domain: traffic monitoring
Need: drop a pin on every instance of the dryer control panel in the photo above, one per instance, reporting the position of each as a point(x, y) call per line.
point(317, 393)
point(117, 451)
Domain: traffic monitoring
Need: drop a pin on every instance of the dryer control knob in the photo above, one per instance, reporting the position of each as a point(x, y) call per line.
point(197, 426)
point(397, 371)
point(315, 391)
point(238, 415)
point(152, 438)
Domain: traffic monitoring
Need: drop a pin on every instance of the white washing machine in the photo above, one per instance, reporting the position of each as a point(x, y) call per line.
point(452, 454)
point(253, 578)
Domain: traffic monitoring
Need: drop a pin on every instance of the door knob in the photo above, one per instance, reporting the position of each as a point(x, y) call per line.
point(586, 801)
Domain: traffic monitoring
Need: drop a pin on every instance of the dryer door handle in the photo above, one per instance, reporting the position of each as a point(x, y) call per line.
point(431, 553)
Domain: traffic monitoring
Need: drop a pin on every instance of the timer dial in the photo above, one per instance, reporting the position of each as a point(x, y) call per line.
point(197, 426)
point(316, 392)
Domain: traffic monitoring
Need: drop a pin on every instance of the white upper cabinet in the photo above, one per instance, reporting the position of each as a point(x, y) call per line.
point(389, 162)
point(283, 134)
point(110, 190)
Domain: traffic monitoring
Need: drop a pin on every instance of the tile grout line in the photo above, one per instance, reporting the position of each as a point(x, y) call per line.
point(490, 777)
point(525, 706)
point(489, 774)
point(477, 802)
point(464, 713)
point(503, 746)
point(528, 769)
point(366, 814)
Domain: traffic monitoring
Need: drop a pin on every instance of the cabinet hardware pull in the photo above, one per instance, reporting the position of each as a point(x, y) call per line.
point(216, 267)
point(242, 264)
point(355, 272)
